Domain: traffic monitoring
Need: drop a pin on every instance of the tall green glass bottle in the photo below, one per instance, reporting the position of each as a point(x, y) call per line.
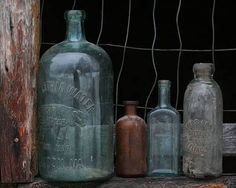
point(75, 108)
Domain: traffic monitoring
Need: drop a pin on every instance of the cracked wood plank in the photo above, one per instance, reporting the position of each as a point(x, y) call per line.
point(19, 54)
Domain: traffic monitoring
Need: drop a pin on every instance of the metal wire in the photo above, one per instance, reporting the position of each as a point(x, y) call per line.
point(41, 9)
point(180, 49)
point(179, 55)
point(156, 49)
point(123, 57)
point(213, 31)
point(41, 20)
point(101, 26)
point(153, 58)
point(180, 110)
point(74, 4)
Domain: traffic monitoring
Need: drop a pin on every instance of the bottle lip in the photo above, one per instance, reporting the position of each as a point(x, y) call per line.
point(75, 15)
point(130, 102)
point(164, 82)
point(204, 66)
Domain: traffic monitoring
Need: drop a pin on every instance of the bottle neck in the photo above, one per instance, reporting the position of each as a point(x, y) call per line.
point(75, 30)
point(203, 71)
point(203, 76)
point(130, 109)
point(164, 96)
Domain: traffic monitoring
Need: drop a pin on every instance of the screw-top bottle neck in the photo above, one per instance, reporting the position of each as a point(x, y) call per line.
point(130, 107)
point(164, 93)
point(203, 71)
point(75, 25)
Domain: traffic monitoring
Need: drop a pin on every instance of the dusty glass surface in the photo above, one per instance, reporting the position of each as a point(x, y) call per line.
point(131, 138)
point(202, 131)
point(75, 108)
point(163, 135)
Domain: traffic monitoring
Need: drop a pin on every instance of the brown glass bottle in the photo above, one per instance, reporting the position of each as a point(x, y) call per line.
point(130, 143)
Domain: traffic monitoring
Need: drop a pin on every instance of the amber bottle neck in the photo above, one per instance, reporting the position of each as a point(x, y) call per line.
point(130, 109)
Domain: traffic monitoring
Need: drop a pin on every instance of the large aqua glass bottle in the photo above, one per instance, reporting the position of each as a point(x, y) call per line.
point(75, 108)
point(163, 135)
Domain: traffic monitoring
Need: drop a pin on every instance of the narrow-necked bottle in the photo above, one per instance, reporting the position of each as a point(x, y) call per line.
point(202, 131)
point(130, 143)
point(163, 135)
point(75, 108)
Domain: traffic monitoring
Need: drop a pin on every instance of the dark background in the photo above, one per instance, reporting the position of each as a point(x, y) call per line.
point(138, 74)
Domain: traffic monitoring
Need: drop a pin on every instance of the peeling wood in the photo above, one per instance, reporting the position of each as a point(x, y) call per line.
point(19, 54)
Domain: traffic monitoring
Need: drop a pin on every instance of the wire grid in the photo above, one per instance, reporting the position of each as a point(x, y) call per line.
point(151, 49)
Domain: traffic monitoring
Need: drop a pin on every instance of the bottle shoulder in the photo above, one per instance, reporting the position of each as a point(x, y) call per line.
point(167, 109)
point(203, 83)
point(201, 87)
point(81, 57)
point(130, 120)
point(75, 47)
point(199, 96)
point(169, 114)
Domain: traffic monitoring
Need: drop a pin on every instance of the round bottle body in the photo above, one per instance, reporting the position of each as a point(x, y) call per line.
point(202, 130)
point(130, 146)
point(75, 110)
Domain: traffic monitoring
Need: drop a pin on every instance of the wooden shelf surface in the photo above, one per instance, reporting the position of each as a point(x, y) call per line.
point(226, 181)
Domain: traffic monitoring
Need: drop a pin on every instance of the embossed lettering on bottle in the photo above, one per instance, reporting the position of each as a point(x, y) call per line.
point(197, 131)
point(202, 130)
point(59, 119)
point(75, 105)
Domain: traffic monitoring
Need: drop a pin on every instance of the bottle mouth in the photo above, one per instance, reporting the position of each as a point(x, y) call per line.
point(164, 83)
point(75, 15)
point(130, 102)
point(204, 68)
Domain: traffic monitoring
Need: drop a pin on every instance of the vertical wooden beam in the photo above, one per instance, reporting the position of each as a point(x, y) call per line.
point(19, 54)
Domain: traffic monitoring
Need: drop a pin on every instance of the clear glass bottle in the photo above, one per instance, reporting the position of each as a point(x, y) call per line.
point(163, 135)
point(202, 131)
point(131, 143)
point(75, 108)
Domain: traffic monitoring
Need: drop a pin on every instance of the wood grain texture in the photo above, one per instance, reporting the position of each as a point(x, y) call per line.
point(19, 54)
point(6, 185)
point(229, 134)
point(176, 182)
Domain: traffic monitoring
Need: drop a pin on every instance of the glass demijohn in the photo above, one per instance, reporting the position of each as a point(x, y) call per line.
point(75, 108)
point(202, 131)
point(163, 135)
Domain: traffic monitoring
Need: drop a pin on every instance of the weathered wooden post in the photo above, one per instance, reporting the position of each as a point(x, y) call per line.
point(19, 54)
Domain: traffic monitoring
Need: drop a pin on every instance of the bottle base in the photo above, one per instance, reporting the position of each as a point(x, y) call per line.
point(81, 175)
point(130, 175)
point(162, 173)
point(203, 176)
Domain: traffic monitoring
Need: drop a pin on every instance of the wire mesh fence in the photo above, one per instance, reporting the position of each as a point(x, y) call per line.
point(151, 40)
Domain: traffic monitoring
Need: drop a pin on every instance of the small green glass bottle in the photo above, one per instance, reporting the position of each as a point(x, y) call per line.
point(75, 108)
point(163, 135)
